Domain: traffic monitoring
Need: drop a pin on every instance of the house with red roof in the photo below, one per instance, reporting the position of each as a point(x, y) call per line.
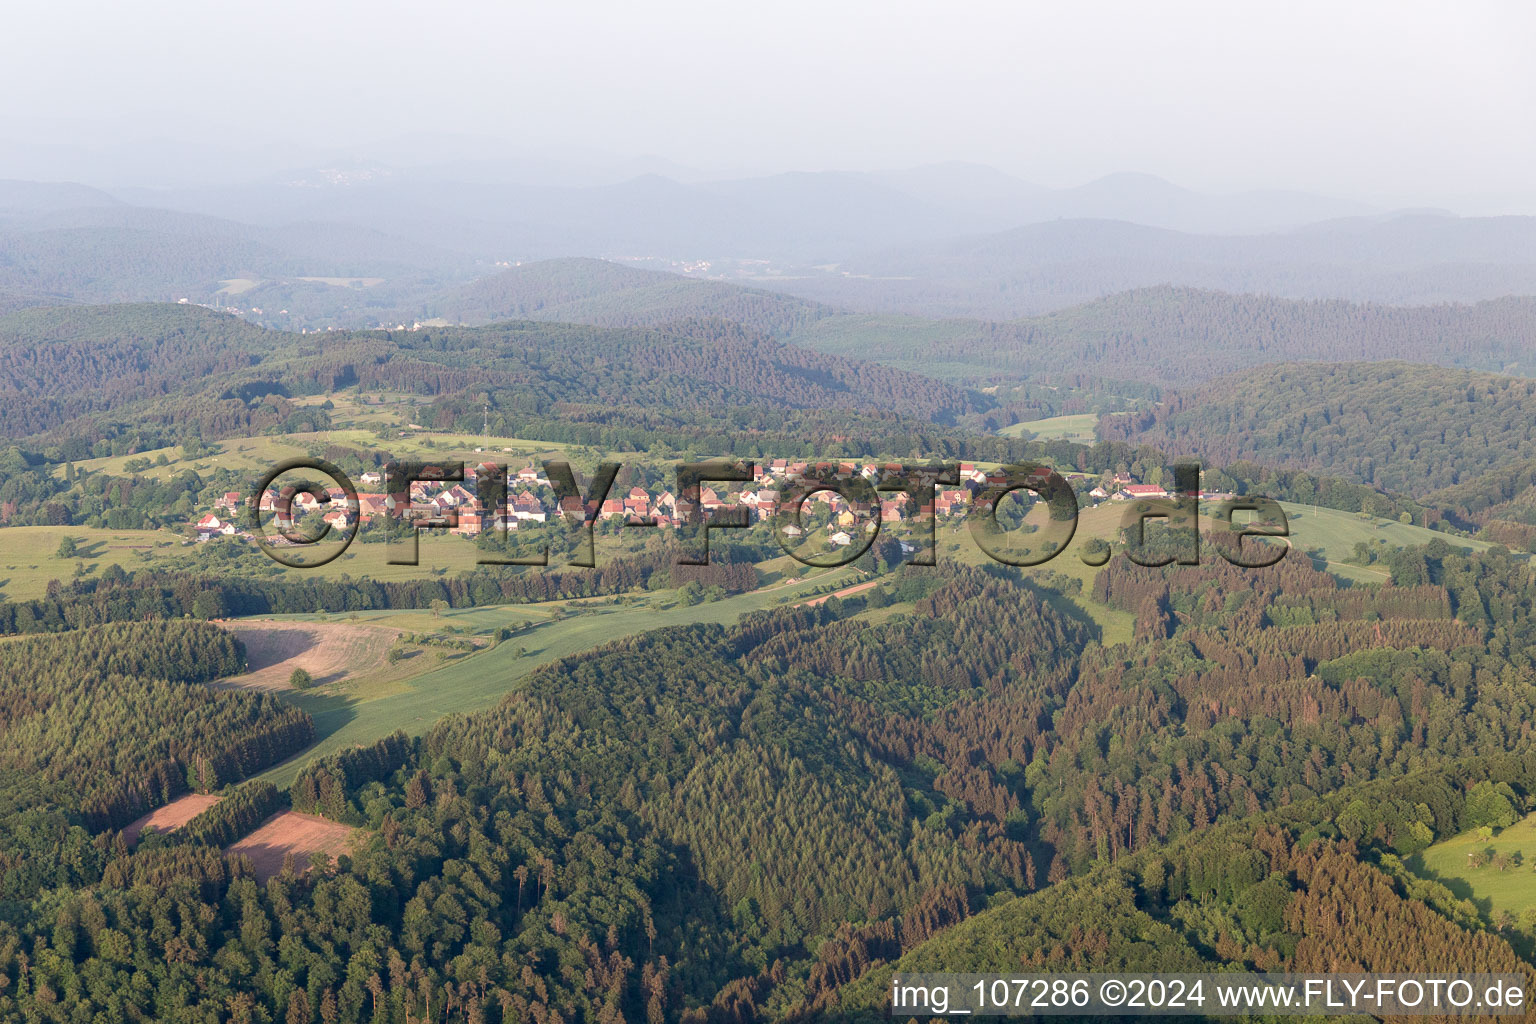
point(950, 503)
point(470, 524)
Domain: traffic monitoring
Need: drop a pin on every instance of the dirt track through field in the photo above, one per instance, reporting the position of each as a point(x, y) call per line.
point(172, 816)
point(291, 832)
point(328, 651)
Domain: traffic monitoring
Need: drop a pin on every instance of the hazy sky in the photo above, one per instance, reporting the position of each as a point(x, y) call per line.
point(1392, 101)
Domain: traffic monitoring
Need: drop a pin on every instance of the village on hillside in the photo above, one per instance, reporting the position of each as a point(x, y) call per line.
point(456, 506)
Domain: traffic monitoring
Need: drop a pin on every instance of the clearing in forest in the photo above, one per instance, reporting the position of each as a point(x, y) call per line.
point(172, 816)
point(291, 832)
point(328, 651)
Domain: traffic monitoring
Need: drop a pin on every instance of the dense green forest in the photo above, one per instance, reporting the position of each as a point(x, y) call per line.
point(734, 823)
point(59, 365)
point(1093, 579)
point(749, 819)
point(1397, 426)
point(1502, 502)
point(114, 357)
point(120, 713)
point(1319, 886)
point(160, 374)
point(1173, 336)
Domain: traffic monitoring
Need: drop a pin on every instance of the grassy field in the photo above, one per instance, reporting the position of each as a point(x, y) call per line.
point(254, 455)
point(1079, 427)
point(1489, 889)
point(352, 409)
point(465, 683)
point(29, 554)
point(1337, 533)
point(1102, 523)
point(244, 454)
point(29, 557)
point(435, 554)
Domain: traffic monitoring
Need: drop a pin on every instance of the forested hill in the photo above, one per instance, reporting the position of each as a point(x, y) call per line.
point(1504, 495)
point(10, 302)
point(1399, 426)
point(1170, 335)
point(1161, 335)
point(685, 368)
point(87, 372)
point(173, 327)
point(59, 364)
point(1266, 894)
point(607, 294)
point(1152, 335)
point(713, 823)
point(1175, 334)
point(120, 253)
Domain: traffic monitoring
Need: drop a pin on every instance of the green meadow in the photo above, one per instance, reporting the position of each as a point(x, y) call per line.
point(1078, 427)
point(544, 633)
point(1490, 889)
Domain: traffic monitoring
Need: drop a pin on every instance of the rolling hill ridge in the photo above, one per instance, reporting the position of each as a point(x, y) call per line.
point(1399, 426)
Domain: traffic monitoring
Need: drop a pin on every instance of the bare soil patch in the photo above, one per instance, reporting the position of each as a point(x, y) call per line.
point(291, 832)
point(328, 651)
point(813, 602)
point(172, 816)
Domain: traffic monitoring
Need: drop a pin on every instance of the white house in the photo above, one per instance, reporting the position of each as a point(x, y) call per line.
point(212, 526)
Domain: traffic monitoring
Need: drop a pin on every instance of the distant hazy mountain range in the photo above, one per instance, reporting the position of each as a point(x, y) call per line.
point(801, 215)
point(1407, 259)
point(355, 246)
